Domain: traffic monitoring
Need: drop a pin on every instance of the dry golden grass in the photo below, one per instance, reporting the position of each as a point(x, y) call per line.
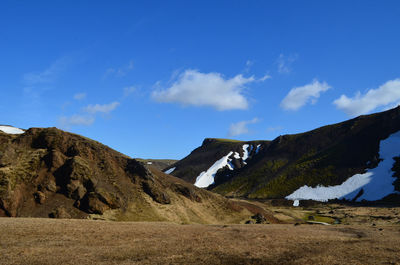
point(49, 241)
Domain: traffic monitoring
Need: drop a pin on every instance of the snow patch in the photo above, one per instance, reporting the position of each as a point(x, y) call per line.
point(321, 193)
point(169, 171)
point(245, 153)
point(206, 178)
point(149, 163)
point(376, 183)
point(10, 129)
point(296, 203)
point(258, 148)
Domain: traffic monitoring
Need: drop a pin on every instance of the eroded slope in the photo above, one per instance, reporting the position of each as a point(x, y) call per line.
point(49, 172)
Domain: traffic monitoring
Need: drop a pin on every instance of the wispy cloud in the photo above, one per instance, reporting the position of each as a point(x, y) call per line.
point(76, 120)
point(240, 127)
point(102, 108)
point(88, 117)
point(35, 83)
point(249, 64)
point(285, 63)
point(300, 96)
point(120, 71)
point(265, 77)
point(387, 95)
point(79, 96)
point(274, 129)
point(129, 90)
point(48, 75)
point(206, 89)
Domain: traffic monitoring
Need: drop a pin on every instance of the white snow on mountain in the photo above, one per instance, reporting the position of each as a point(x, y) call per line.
point(169, 171)
point(245, 152)
point(376, 183)
point(321, 193)
point(258, 148)
point(10, 129)
point(206, 178)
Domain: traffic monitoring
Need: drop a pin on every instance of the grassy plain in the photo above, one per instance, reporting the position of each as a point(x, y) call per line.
point(366, 235)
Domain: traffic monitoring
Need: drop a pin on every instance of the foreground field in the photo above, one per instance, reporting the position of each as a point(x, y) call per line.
point(49, 241)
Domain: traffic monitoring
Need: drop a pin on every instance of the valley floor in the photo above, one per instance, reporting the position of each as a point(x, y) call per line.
point(62, 241)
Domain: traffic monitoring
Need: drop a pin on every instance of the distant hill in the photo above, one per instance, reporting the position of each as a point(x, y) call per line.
point(46, 172)
point(158, 164)
point(364, 151)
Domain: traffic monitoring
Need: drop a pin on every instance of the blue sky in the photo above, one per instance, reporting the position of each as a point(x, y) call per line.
point(152, 79)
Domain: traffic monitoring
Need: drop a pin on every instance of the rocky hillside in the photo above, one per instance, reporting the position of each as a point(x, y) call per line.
point(327, 156)
point(236, 154)
point(52, 173)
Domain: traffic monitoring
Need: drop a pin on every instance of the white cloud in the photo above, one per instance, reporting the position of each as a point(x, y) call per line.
point(119, 72)
point(66, 122)
point(300, 96)
point(285, 63)
point(249, 64)
point(104, 108)
point(265, 77)
point(387, 95)
point(86, 119)
point(274, 129)
point(37, 82)
point(48, 75)
point(129, 90)
point(206, 89)
point(79, 96)
point(240, 127)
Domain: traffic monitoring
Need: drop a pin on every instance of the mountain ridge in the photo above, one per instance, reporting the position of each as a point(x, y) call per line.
point(326, 156)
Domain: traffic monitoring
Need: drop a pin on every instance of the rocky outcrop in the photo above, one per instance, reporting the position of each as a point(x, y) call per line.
point(49, 172)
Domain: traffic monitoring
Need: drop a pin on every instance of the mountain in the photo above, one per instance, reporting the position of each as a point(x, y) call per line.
point(358, 159)
point(224, 152)
point(48, 172)
point(159, 164)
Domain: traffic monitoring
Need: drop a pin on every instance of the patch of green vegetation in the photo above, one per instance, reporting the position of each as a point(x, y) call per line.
point(24, 168)
point(4, 183)
point(318, 218)
point(286, 177)
point(277, 178)
point(242, 186)
point(239, 186)
point(292, 179)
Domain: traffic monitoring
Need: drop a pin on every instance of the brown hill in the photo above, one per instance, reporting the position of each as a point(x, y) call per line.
point(49, 172)
point(159, 164)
